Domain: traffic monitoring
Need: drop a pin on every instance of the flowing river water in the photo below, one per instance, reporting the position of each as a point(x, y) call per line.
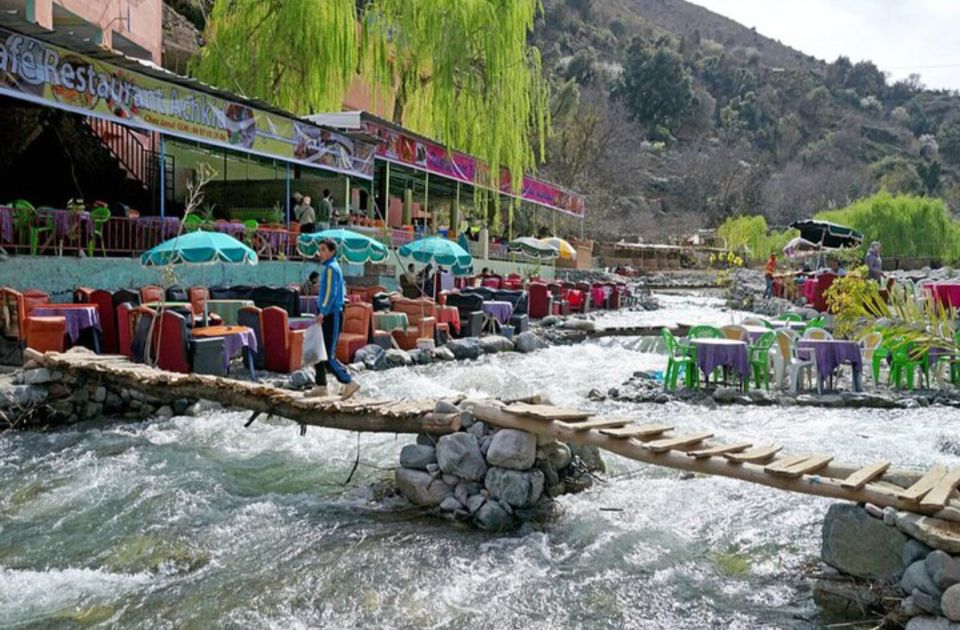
point(196, 522)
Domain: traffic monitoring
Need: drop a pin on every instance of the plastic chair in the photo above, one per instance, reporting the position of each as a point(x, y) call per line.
point(100, 215)
point(816, 333)
point(705, 332)
point(904, 365)
point(798, 365)
point(780, 355)
point(737, 333)
point(760, 359)
point(250, 228)
point(192, 223)
point(678, 357)
point(46, 334)
point(789, 317)
point(868, 347)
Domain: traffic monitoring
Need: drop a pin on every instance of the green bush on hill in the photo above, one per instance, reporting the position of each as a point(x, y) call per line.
point(751, 235)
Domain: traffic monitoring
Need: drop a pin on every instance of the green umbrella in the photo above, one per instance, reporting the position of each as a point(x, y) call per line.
point(351, 246)
point(198, 248)
point(532, 248)
point(439, 251)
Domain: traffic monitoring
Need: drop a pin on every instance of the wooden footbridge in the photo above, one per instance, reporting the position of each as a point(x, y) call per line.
point(930, 492)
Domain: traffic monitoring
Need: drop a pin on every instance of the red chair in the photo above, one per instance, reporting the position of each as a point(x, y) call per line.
point(541, 301)
point(283, 347)
point(16, 308)
point(492, 282)
point(170, 343)
point(576, 299)
point(560, 305)
point(198, 297)
point(124, 329)
point(151, 293)
point(513, 281)
point(46, 334)
point(354, 330)
point(81, 295)
point(824, 282)
point(108, 320)
point(422, 323)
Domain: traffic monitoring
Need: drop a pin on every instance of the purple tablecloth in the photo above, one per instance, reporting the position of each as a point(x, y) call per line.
point(166, 227)
point(65, 220)
point(502, 311)
point(300, 323)
point(236, 230)
point(77, 318)
point(829, 354)
point(714, 353)
point(308, 304)
point(755, 332)
point(6, 225)
point(235, 342)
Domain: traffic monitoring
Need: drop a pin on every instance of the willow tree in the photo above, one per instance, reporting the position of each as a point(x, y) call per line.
point(460, 71)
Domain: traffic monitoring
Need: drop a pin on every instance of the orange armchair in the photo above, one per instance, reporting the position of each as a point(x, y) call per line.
point(355, 330)
point(16, 308)
point(283, 347)
point(46, 334)
point(151, 293)
point(420, 317)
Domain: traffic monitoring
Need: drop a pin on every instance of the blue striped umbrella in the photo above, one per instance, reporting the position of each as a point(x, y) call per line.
point(439, 251)
point(198, 248)
point(351, 246)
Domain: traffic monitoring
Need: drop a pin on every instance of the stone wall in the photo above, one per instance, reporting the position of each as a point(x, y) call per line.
point(886, 562)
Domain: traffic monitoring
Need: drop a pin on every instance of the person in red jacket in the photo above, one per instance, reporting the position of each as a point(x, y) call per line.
point(768, 274)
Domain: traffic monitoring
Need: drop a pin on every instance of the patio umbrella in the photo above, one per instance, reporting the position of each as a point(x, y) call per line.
point(532, 248)
point(439, 251)
point(198, 248)
point(828, 235)
point(799, 247)
point(351, 246)
point(565, 249)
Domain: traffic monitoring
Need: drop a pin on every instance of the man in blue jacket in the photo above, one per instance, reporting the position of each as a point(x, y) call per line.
point(330, 299)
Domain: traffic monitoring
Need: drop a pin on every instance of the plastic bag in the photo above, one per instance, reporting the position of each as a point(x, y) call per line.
point(314, 350)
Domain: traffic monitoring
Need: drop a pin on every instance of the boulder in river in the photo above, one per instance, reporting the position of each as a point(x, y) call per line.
point(517, 488)
point(495, 343)
point(397, 358)
point(528, 341)
point(421, 488)
point(466, 348)
point(860, 545)
point(512, 449)
point(492, 517)
point(417, 456)
point(935, 532)
point(917, 578)
point(950, 603)
point(372, 356)
point(459, 454)
point(943, 568)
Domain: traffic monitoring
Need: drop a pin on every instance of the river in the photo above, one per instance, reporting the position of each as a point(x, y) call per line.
point(196, 522)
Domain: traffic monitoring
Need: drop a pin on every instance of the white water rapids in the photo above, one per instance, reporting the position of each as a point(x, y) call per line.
point(198, 522)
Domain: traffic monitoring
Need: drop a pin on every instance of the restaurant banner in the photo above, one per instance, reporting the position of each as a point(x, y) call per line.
point(50, 75)
point(408, 150)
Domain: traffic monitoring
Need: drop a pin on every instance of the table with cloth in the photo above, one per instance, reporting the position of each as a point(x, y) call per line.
point(496, 313)
point(300, 323)
point(228, 310)
point(830, 354)
point(449, 315)
point(725, 353)
point(755, 332)
point(236, 230)
point(946, 293)
point(78, 316)
point(6, 225)
point(235, 339)
point(308, 305)
point(809, 290)
point(388, 320)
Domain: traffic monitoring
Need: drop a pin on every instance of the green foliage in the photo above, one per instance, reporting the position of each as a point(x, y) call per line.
point(905, 225)
point(458, 70)
point(656, 86)
point(929, 175)
point(948, 140)
point(751, 235)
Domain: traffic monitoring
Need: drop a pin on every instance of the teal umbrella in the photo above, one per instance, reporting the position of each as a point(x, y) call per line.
point(351, 246)
point(439, 251)
point(198, 248)
point(532, 248)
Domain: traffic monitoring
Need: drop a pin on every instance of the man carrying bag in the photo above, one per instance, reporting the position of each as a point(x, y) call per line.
point(329, 316)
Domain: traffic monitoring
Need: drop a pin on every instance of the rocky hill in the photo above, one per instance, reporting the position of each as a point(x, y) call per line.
point(762, 128)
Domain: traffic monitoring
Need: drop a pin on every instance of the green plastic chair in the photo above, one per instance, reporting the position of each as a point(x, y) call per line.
point(679, 356)
point(814, 323)
point(192, 223)
point(100, 215)
point(904, 366)
point(250, 228)
point(790, 317)
point(705, 332)
point(30, 226)
point(760, 359)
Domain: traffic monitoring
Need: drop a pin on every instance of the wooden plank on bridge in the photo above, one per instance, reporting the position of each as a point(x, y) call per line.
point(865, 475)
point(756, 455)
point(594, 424)
point(548, 412)
point(811, 463)
point(783, 463)
point(661, 446)
point(938, 496)
point(723, 449)
point(640, 432)
point(923, 485)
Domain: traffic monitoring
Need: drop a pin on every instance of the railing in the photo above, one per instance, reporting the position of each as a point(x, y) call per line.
point(126, 147)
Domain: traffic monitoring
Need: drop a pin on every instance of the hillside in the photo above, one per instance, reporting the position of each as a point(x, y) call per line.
point(766, 129)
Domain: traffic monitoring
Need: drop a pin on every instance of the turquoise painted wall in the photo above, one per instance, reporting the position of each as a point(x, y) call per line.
point(60, 276)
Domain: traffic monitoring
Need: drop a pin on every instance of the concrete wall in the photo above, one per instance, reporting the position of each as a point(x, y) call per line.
point(60, 276)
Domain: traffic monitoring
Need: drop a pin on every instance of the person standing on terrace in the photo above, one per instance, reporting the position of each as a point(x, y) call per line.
point(768, 274)
point(873, 262)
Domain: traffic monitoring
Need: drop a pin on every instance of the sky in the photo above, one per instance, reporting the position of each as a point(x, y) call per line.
point(900, 36)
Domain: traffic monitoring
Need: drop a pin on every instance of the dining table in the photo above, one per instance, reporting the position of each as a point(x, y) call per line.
point(449, 315)
point(228, 310)
point(308, 304)
point(301, 323)
point(236, 339)
point(755, 332)
point(829, 354)
point(722, 353)
point(78, 317)
point(6, 225)
point(496, 313)
point(390, 320)
point(946, 293)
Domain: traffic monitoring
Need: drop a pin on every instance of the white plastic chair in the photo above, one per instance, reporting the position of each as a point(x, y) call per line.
point(798, 365)
point(869, 345)
point(738, 333)
point(752, 321)
point(817, 333)
point(780, 355)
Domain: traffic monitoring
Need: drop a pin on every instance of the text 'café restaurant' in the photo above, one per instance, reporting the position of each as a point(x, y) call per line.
point(82, 122)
